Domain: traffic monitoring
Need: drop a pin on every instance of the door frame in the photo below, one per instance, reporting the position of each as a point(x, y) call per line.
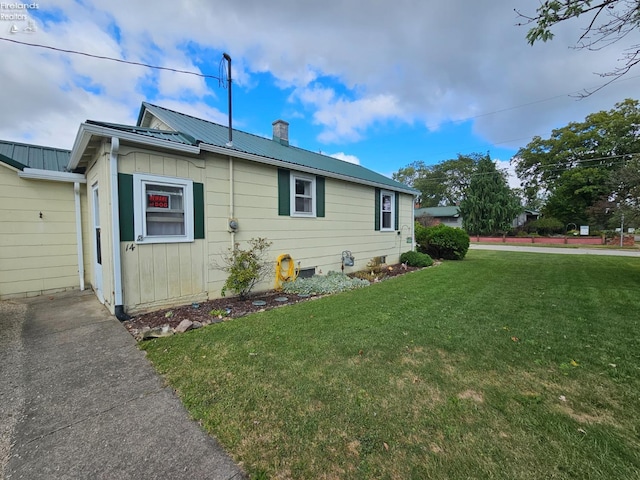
point(97, 243)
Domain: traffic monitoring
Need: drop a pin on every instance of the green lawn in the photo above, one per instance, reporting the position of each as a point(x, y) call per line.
point(505, 365)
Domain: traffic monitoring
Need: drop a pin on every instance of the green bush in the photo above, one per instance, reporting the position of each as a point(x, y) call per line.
point(245, 267)
point(416, 259)
point(442, 241)
point(546, 226)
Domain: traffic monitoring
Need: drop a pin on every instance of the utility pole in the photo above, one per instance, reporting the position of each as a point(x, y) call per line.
point(621, 229)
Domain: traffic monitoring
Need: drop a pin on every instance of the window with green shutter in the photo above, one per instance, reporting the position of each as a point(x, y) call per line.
point(300, 194)
point(157, 209)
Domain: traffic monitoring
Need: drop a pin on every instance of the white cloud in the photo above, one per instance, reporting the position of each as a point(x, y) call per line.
point(346, 158)
point(344, 119)
point(509, 169)
point(425, 63)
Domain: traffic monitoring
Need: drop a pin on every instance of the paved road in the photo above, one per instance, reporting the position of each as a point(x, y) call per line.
point(79, 400)
point(564, 251)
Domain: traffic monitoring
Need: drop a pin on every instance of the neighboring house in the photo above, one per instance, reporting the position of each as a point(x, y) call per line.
point(38, 222)
point(526, 216)
point(449, 216)
point(164, 199)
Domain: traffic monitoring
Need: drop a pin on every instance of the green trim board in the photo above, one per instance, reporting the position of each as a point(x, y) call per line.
point(320, 197)
point(125, 207)
point(376, 221)
point(11, 162)
point(198, 211)
point(284, 192)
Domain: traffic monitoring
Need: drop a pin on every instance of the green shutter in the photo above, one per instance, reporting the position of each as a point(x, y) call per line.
point(319, 196)
point(125, 207)
point(397, 210)
point(198, 210)
point(376, 222)
point(284, 192)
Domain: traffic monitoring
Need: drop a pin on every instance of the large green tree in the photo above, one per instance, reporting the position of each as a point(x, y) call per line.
point(579, 164)
point(604, 22)
point(577, 190)
point(489, 205)
point(441, 184)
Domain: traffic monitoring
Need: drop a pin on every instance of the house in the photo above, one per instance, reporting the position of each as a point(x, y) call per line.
point(39, 221)
point(162, 200)
point(449, 216)
point(526, 216)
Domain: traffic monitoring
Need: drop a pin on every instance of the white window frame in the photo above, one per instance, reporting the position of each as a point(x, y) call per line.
point(391, 194)
point(306, 178)
point(140, 181)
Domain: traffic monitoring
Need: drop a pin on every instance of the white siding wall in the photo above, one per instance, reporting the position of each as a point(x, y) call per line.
point(37, 255)
point(314, 242)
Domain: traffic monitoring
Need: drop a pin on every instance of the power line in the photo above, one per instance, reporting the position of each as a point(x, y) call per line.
point(112, 59)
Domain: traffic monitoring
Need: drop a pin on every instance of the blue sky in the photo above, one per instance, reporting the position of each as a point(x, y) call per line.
point(385, 87)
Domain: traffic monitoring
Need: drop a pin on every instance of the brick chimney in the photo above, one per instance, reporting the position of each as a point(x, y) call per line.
point(281, 132)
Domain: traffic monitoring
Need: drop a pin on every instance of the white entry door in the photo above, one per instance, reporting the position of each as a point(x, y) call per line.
point(97, 246)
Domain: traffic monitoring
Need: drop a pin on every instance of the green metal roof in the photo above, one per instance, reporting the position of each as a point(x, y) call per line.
point(211, 133)
point(22, 155)
point(436, 212)
point(169, 135)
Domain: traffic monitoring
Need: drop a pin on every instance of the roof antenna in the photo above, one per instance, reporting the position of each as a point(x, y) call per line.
point(228, 59)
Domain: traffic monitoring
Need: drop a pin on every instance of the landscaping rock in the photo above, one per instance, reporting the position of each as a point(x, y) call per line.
point(196, 324)
point(184, 325)
point(157, 332)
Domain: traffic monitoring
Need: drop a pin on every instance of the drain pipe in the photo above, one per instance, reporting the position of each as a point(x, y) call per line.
point(76, 194)
point(233, 223)
point(115, 232)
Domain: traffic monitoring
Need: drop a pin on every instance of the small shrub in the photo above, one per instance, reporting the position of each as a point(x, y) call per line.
point(332, 282)
point(245, 267)
point(442, 241)
point(416, 259)
point(546, 226)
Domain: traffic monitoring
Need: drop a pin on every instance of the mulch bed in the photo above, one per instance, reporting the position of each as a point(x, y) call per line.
point(234, 307)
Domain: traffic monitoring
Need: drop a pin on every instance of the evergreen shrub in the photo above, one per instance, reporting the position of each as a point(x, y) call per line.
point(442, 241)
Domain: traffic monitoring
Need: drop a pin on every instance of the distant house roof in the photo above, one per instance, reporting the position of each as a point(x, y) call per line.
point(22, 155)
point(206, 132)
point(438, 212)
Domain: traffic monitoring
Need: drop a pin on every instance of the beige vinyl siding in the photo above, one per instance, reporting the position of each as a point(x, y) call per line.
point(37, 255)
point(314, 242)
point(162, 274)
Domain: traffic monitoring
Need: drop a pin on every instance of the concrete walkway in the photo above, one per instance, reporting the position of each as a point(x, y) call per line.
point(81, 401)
point(565, 251)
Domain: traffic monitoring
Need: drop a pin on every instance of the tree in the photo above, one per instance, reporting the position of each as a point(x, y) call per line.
point(605, 141)
point(607, 22)
point(441, 184)
point(576, 191)
point(489, 205)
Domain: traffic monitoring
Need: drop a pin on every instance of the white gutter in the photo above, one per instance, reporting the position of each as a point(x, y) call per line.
point(76, 194)
point(301, 168)
point(115, 230)
point(87, 130)
point(39, 174)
